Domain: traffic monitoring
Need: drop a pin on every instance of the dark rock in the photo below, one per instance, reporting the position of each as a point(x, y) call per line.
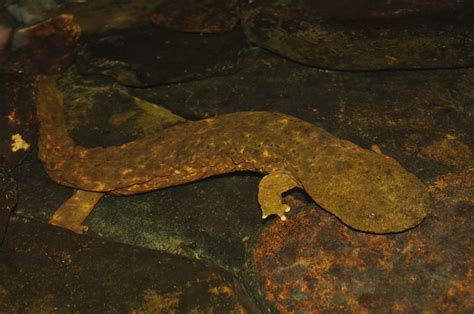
point(8, 197)
point(7, 26)
point(152, 56)
point(335, 269)
point(62, 272)
point(47, 47)
point(203, 16)
point(29, 12)
point(365, 35)
point(100, 16)
point(18, 132)
point(18, 126)
point(90, 15)
point(96, 112)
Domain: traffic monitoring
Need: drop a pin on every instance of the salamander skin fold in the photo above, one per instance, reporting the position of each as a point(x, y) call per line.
point(367, 191)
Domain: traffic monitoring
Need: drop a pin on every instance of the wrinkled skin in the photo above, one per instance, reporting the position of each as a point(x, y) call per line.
point(367, 191)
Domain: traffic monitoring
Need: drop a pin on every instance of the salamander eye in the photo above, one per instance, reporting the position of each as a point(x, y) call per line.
point(372, 215)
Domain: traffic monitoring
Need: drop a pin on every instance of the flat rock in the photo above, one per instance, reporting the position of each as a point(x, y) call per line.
point(63, 272)
point(100, 16)
point(29, 12)
point(47, 47)
point(314, 264)
point(103, 114)
point(152, 56)
point(203, 16)
point(93, 16)
point(365, 35)
point(18, 126)
point(18, 131)
point(8, 197)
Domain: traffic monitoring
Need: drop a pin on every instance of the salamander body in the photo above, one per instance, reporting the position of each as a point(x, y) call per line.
point(367, 191)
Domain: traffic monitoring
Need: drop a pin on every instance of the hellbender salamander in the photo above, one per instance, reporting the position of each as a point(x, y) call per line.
point(365, 190)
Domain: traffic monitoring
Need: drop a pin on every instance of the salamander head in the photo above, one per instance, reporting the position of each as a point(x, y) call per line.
point(370, 192)
point(385, 208)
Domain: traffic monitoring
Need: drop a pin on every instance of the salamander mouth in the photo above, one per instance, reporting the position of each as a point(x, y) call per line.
point(401, 218)
point(384, 228)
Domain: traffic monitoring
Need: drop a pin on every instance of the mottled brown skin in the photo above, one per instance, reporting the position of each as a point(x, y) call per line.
point(367, 191)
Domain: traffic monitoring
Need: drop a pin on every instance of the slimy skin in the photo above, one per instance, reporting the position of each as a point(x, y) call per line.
point(367, 191)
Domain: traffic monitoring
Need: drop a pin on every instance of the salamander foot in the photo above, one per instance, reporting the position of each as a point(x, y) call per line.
point(270, 190)
point(72, 213)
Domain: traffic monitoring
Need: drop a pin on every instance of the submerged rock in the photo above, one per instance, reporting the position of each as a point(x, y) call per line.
point(314, 264)
point(8, 197)
point(18, 126)
point(203, 16)
point(17, 134)
point(7, 25)
point(47, 47)
point(152, 56)
point(365, 35)
point(29, 12)
point(60, 272)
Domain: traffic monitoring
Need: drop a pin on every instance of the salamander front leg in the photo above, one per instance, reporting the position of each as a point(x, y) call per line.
point(72, 213)
point(270, 192)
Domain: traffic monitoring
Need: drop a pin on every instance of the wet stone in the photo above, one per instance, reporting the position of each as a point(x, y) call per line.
point(365, 35)
point(63, 272)
point(18, 126)
point(8, 197)
point(101, 114)
point(18, 132)
point(152, 56)
point(29, 12)
point(119, 15)
point(89, 14)
point(7, 25)
point(47, 47)
point(203, 16)
point(426, 269)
